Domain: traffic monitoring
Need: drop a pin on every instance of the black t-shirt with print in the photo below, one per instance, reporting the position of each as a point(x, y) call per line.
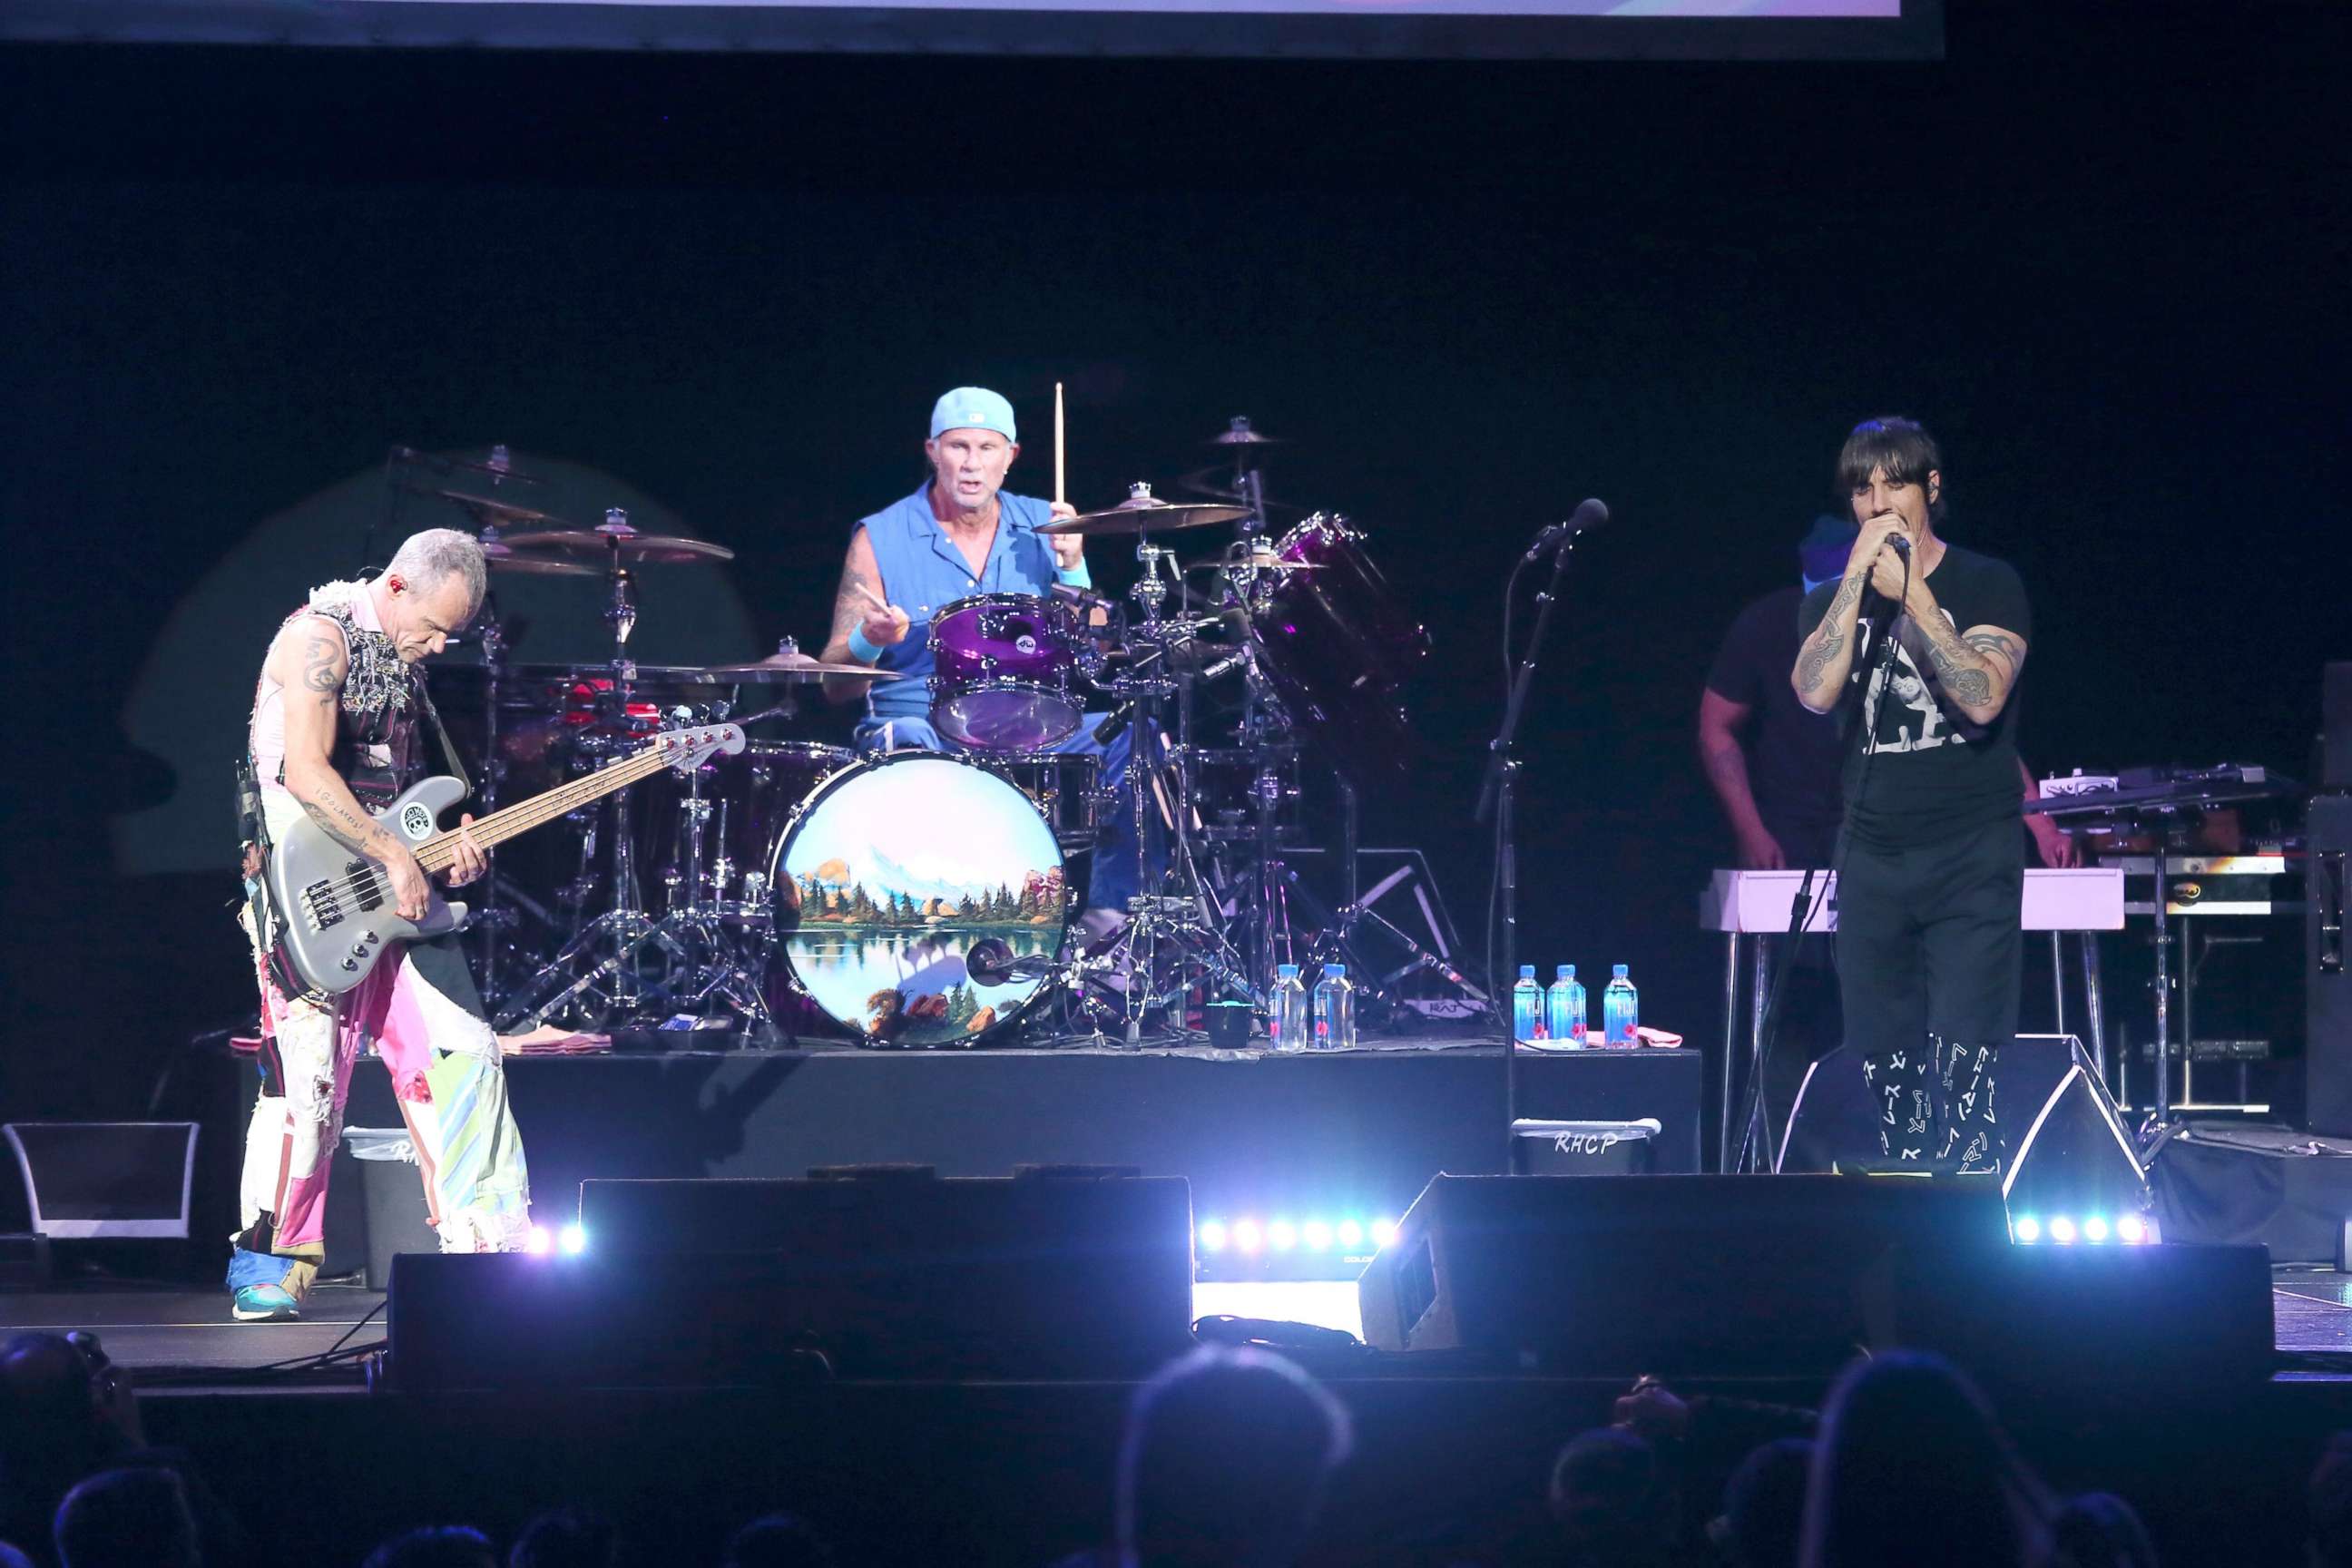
point(1932, 773)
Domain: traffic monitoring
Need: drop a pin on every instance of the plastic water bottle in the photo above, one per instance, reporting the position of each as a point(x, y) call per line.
point(1564, 1008)
point(1289, 1024)
point(1526, 1007)
point(1621, 1009)
point(1335, 1010)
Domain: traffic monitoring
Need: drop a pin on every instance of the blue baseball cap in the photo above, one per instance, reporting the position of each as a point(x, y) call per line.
point(972, 408)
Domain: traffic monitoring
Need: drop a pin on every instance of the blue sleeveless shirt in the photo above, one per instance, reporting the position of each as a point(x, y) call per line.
point(923, 571)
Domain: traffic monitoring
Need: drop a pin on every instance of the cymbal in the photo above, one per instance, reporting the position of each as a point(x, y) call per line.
point(1239, 434)
point(788, 668)
point(502, 557)
point(499, 511)
point(1257, 563)
point(509, 474)
point(1142, 512)
point(655, 549)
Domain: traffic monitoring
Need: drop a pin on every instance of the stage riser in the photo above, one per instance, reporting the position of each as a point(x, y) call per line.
point(1361, 1131)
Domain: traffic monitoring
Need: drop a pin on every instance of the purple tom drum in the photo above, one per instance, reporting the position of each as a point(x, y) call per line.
point(1007, 672)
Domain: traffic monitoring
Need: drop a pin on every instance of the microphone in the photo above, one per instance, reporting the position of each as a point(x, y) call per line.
point(1589, 514)
point(1111, 728)
point(1902, 546)
point(1080, 598)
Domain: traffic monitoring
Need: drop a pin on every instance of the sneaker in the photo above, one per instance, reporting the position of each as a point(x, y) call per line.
point(265, 1304)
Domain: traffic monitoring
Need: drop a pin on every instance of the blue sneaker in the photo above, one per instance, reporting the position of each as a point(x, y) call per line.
point(265, 1304)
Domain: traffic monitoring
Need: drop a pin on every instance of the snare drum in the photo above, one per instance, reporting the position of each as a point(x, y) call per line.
point(895, 870)
point(1007, 672)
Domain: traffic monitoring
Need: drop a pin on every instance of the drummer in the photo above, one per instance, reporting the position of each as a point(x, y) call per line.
point(960, 534)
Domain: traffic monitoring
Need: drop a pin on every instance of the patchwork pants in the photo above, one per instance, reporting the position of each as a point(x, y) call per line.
point(418, 1010)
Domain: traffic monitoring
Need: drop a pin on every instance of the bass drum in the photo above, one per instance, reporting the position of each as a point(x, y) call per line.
point(1340, 648)
point(889, 876)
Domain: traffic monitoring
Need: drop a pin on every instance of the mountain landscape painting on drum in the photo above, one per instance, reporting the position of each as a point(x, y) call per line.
point(898, 867)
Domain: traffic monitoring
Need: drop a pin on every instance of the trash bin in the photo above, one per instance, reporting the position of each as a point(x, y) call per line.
point(394, 1198)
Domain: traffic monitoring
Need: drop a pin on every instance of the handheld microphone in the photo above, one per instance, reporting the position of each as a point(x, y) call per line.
point(1589, 514)
point(1113, 726)
point(1902, 546)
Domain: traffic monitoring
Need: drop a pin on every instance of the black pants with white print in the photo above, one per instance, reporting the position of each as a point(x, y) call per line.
point(1931, 957)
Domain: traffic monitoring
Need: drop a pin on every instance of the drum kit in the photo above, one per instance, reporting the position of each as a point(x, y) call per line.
point(927, 898)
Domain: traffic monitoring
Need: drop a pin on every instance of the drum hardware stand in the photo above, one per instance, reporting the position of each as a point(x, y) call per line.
point(1185, 920)
point(1498, 797)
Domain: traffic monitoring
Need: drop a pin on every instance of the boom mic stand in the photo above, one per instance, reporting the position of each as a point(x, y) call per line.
point(1497, 796)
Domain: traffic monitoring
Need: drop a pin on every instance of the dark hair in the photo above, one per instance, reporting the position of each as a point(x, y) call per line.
point(1911, 1468)
point(1225, 1454)
point(1901, 447)
point(2099, 1530)
point(1608, 1499)
point(778, 1541)
point(138, 1515)
point(436, 1546)
point(565, 1538)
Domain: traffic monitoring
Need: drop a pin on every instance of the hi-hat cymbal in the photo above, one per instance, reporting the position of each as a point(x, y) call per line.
point(500, 556)
point(1142, 512)
point(499, 512)
point(655, 549)
point(1240, 434)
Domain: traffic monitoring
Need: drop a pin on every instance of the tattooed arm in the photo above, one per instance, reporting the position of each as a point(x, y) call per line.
point(1975, 669)
point(859, 604)
point(1826, 657)
point(309, 659)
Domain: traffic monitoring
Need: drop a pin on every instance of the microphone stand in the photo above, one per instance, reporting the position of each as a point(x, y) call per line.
point(1499, 794)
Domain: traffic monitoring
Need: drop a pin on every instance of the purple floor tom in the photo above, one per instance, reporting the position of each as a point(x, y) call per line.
point(1007, 672)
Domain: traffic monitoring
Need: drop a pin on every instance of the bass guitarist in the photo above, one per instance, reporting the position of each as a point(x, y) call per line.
point(337, 726)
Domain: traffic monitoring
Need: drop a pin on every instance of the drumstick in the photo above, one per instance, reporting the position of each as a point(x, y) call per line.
point(873, 599)
point(1061, 486)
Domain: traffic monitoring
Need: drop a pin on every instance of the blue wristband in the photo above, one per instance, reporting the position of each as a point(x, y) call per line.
point(861, 650)
point(1074, 577)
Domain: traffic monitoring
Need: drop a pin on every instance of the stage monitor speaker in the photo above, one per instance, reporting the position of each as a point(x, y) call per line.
point(2327, 984)
point(106, 1179)
point(1790, 1275)
point(905, 1274)
point(2068, 1150)
point(1606, 1275)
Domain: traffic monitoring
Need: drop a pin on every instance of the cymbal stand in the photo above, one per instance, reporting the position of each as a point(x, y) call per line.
point(1183, 918)
point(612, 987)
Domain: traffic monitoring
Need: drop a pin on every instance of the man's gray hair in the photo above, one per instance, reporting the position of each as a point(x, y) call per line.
point(427, 559)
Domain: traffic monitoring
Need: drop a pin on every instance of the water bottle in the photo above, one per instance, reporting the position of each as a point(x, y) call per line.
point(1564, 1008)
point(1621, 1009)
point(1289, 1024)
point(1335, 1010)
point(1526, 1007)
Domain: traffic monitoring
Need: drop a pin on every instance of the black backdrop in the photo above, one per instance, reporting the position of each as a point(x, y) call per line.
point(2101, 249)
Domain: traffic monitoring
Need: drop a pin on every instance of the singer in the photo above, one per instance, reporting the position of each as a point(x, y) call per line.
point(960, 534)
point(1932, 877)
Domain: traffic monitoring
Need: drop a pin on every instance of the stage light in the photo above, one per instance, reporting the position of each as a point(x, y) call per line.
point(1281, 1235)
point(2027, 1229)
point(572, 1240)
point(1316, 1235)
point(2062, 1230)
point(2131, 1229)
point(1383, 1232)
point(539, 1241)
point(1351, 1234)
point(1246, 1235)
point(2094, 1229)
point(1212, 1236)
